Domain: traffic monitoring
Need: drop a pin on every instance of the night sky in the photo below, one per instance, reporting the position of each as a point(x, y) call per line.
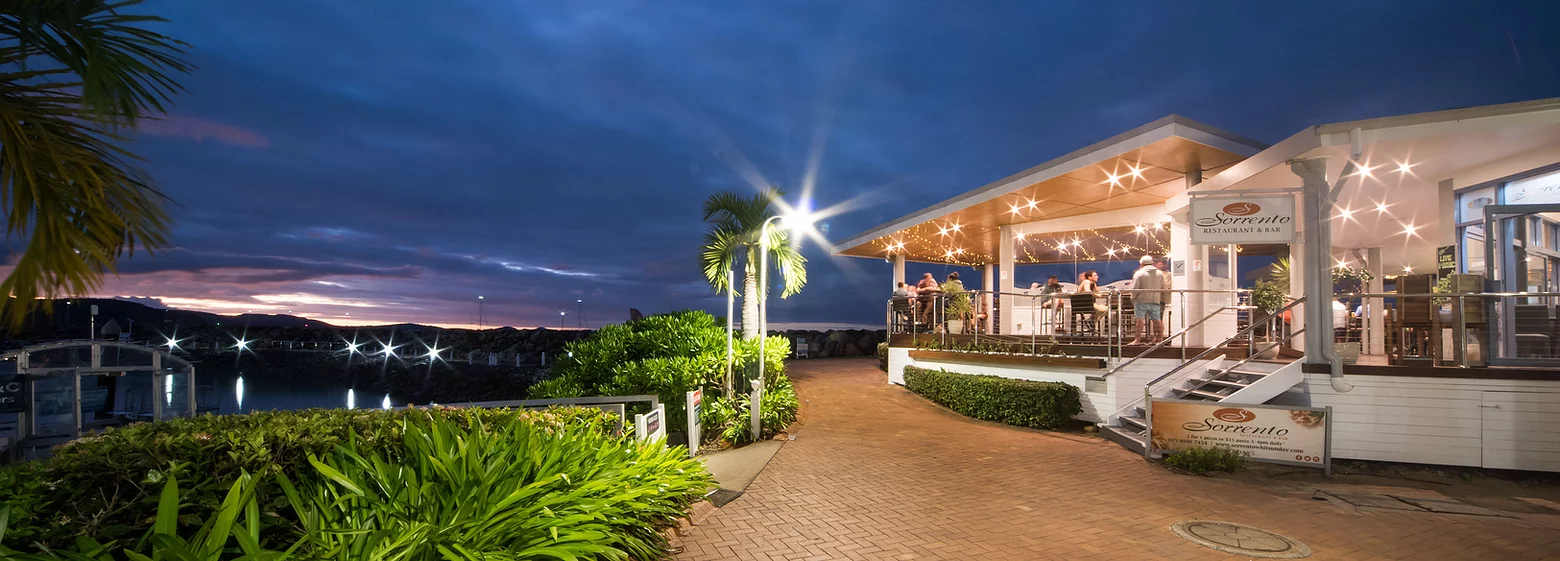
point(390, 161)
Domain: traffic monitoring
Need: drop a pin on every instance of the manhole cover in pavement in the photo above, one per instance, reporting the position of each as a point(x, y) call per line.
point(1240, 540)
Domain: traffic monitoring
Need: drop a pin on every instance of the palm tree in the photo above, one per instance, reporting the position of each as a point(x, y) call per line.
point(75, 75)
point(733, 241)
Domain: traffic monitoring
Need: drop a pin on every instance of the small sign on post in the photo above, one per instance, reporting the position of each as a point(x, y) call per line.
point(695, 428)
point(652, 425)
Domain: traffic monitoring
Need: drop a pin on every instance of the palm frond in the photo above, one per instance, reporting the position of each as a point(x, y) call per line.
point(718, 256)
point(70, 192)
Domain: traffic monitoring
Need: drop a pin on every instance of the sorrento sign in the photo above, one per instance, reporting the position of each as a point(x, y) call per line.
point(1221, 220)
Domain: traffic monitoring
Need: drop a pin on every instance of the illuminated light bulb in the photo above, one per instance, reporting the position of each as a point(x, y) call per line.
point(1408, 269)
point(1409, 229)
point(1032, 204)
point(956, 226)
point(242, 345)
point(1018, 237)
point(1346, 213)
point(1365, 170)
point(389, 350)
point(1015, 209)
point(1382, 207)
point(386, 403)
point(1343, 263)
point(1405, 167)
point(1159, 225)
point(1111, 251)
point(959, 251)
point(1113, 179)
point(942, 231)
point(1138, 229)
point(172, 343)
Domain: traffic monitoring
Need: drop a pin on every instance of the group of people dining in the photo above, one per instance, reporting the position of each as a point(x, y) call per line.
point(1150, 294)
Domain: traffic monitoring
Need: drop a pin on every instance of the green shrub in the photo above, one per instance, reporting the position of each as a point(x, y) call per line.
point(669, 355)
point(512, 490)
point(882, 353)
point(1203, 459)
point(105, 487)
point(1041, 405)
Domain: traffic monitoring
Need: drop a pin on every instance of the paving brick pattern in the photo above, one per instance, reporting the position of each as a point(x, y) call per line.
point(878, 473)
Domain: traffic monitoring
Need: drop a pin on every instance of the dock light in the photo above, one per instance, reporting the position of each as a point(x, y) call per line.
point(389, 350)
point(242, 345)
point(433, 353)
point(352, 348)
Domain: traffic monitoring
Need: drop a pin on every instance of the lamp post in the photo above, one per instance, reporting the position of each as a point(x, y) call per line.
point(480, 301)
point(731, 304)
point(798, 221)
point(581, 317)
point(561, 313)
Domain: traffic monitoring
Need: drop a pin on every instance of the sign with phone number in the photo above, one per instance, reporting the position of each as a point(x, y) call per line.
point(1268, 433)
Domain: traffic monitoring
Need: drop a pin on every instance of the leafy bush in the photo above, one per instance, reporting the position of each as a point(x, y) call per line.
point(882, 353)
point(209, 542)
point(1041, 405)
point(513, 490)
point(1203, 459)
point(669, 355)
point(104, 487)
point(730, 417)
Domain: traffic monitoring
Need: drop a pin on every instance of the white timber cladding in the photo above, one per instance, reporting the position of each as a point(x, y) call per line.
point(1475, 422)
point(1507, 424)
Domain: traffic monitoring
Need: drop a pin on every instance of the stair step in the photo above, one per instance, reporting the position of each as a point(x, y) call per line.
point(1138, 422)
point(1199, 393)
point(1218, 382)
point(1126, 437)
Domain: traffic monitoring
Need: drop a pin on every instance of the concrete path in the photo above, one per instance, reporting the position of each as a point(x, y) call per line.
point(878, 473)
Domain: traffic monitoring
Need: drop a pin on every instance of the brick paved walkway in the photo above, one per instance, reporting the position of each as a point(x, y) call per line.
point(878, 473)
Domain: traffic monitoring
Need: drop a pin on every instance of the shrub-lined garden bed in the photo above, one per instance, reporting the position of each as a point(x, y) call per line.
point(1024, 403)
point(417, 482)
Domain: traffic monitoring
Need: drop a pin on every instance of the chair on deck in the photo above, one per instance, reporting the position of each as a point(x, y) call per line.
point(1084, 320)
point(904, 315)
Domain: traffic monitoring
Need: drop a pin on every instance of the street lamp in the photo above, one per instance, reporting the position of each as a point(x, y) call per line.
point(581, 318)
point(561, 313)
point(480, 301)
point(798, 220)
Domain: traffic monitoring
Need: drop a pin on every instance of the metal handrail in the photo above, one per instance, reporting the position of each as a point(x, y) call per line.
point(1147, 388)
point(1246, 360)
point(1182, 334)
point(1237, 335)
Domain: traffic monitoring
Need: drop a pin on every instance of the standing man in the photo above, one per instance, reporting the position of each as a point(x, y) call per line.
point(1146, 307)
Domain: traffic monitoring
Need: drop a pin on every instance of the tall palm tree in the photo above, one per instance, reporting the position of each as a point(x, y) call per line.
point(733, 241)
point(75, 75)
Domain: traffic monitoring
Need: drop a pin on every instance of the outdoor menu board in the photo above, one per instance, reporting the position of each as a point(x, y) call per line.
point(1275, 434)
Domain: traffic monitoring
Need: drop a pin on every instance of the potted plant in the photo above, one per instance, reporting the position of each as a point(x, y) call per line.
point(957, 308)
point(1349, 280)
point(1268, 296)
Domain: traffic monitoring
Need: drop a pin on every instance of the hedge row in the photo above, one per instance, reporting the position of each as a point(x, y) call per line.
point(1041, 405)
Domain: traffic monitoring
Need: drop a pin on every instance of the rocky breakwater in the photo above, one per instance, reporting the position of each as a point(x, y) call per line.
point(836, 342)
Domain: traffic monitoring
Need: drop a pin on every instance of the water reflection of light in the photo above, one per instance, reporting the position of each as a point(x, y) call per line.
point(239, 389)
point(386, 403)
point(168, 388)
point(351, 399)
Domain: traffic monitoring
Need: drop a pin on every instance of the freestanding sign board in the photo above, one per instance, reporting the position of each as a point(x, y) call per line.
point(1446, 261)
point(1222, 220)
point(1281, 434)
point(652, 425)
point(695, 428)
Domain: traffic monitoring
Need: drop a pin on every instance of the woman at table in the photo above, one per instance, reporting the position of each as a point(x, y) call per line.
point(1090, 283)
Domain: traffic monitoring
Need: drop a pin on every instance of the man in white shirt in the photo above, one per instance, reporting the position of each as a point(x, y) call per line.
point(1146, 308)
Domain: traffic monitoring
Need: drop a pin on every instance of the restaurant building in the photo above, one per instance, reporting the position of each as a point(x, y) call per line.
point(1417, 259)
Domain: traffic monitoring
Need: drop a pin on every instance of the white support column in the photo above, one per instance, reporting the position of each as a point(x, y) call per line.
point(988, 283)
point(1005, 275)
point(1297, 268)
point(899, 270)
point(1376, 344)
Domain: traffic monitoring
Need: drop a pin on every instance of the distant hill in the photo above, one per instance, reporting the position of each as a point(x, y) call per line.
point(69, 319)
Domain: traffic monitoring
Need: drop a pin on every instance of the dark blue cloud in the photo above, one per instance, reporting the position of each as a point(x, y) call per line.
point(540, 152)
